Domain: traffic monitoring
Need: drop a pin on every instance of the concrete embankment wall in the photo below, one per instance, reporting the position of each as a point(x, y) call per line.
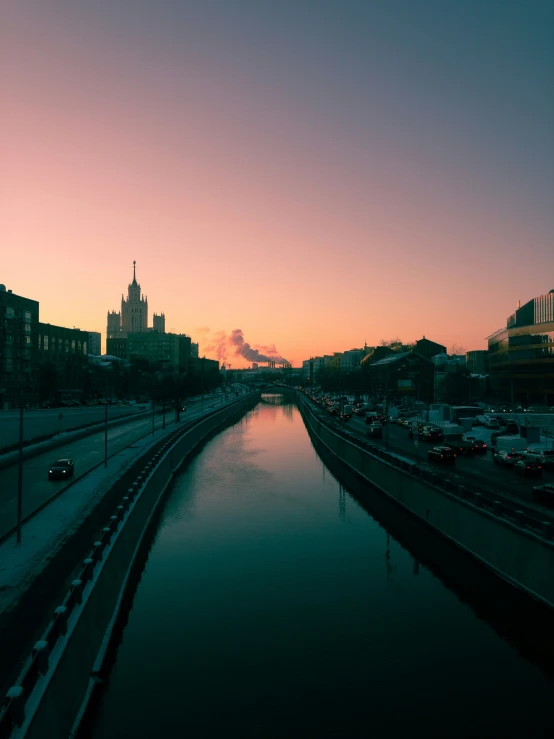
point(76, 652)
point(519, 556)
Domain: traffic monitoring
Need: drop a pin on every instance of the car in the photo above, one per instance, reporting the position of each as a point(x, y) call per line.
point(507, 459)
point(533, 454)
point(479, 445)
point(495, 435)
point(460, 446)
point(442, 455)
point(544, 494)
point(492, 423)
point(61, 468)
point(429, 434)
point(345, 416)
point(524, 468)
point(548, 459)
point(544, 457)
point(375, 431)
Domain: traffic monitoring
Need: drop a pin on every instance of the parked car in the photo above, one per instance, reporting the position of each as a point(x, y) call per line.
point(375, 431)
point(492, 423)
point(524, 468)
point(479, 445)
point(507, 459)
point(544, 494)
point(442, 455)
point(61, 468)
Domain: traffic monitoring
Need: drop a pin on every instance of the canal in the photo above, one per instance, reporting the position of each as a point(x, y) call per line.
point(271, 603)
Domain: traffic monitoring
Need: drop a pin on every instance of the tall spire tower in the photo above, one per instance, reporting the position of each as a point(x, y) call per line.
point(134, 310)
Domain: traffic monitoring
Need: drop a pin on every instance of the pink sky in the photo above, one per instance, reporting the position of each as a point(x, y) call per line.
point(244, 205)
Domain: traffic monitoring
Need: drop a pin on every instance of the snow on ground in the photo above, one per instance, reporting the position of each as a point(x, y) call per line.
point(45, 534)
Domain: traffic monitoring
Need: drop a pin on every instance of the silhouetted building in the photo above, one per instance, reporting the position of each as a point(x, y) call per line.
point(185, 354)
point(521, 356)
point(428, 349)
point(65, 351)
point(155, 347)
point(158, 323)
point(19, 359)
point(133, 317)
point(403, 374)
point(117, 347)
point(94, 345)
point(476, 362)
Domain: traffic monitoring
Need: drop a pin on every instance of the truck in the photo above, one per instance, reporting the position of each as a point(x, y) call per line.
point(511, 444)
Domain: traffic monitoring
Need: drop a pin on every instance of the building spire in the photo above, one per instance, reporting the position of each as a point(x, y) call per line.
point(134, 274)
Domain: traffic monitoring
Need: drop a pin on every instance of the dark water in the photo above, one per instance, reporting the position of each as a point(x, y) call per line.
point(272, 604)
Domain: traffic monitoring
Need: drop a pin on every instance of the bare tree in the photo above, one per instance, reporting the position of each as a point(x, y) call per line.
point(457, 349)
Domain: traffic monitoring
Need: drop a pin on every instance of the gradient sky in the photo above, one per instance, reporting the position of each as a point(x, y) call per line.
point(316, 173)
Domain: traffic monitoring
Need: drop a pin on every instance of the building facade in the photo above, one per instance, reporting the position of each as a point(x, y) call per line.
point(94, 344)
point(117, 347)
point(403, 375)
point(477, 362)
point(19, 359)
point(521, 356)
point(63, 356)
point(155, 347)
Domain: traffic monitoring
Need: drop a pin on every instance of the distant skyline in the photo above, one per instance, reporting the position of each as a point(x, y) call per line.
point(313, 174)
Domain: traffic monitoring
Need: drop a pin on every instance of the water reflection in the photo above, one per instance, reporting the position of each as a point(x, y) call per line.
point(263, 613)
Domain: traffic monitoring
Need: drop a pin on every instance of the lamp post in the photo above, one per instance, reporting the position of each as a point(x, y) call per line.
point(153, 412)
point(107, 369)
point(20, 464)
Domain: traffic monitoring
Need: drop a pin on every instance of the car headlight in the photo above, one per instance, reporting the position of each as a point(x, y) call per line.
point(51, 471)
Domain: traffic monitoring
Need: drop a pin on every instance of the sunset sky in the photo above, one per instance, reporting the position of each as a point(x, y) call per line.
point(315, 173)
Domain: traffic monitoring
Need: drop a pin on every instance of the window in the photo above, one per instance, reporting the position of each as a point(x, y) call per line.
point(73, 346)
point(27, 315)
point(10, 312)
point(26, 339)
point(84, 347)
point(46, 343)
point(27, 328)
point(39, 342)
point(66, 343)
